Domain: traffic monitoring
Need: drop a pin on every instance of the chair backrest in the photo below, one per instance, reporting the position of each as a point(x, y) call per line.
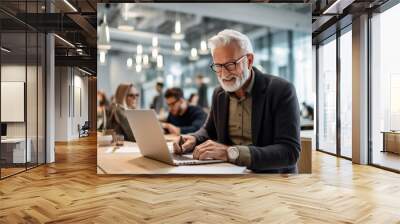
point(86, 125)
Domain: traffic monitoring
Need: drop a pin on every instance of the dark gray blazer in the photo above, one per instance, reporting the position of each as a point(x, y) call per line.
point(275, 124)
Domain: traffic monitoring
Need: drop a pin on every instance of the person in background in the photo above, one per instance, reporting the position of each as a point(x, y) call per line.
point(307, 111)
point(193, 99)
point(102, 110)
point(202, 92)
point(158, 100)
point(125, 98)
point(182, 118)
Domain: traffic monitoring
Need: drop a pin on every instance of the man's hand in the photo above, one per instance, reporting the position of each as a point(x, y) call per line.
point(172, 129)
point(187, 144)
point(211, 150)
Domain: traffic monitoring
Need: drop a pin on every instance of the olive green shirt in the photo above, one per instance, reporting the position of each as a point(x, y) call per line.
point(239, 123)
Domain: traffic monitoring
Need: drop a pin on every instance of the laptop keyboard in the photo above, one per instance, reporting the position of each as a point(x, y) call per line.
point(181, 158)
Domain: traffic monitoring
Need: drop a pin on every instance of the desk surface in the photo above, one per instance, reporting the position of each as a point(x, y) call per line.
point(128, 160)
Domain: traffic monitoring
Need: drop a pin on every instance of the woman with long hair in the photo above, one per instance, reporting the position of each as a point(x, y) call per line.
point(126, 98)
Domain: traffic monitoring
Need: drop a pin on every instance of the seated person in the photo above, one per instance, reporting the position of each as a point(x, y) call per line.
point(183, 118)
point(254, 119)
point(126, 98)
point(102, 110)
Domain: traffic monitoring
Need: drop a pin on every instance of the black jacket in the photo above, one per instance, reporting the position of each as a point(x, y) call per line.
point(119, 123)
point(275, 124)
point(191, 121)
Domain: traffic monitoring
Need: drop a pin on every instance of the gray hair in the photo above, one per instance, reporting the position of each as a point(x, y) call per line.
point(226, 36)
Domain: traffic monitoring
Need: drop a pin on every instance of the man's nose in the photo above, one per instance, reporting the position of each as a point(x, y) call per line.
point(224, 72)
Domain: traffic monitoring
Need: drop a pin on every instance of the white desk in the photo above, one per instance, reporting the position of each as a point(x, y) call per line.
point(128, 160)
point(16, 147)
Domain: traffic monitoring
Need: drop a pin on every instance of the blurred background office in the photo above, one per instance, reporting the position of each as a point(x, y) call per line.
point(148, 44)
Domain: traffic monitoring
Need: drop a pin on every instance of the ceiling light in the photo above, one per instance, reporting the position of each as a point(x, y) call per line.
point(138, 68)
point(124, 24)
point(5, 50)
point(154, 53)
point(65, 41)
point(178, 27)
point(104, 36)
point(84, 71)
point(335, 8)
point(160, 62)
point(125, 27)
point(193, 54)
point(203, 47)
point(177, 46)
point(145, 60)
point(139, 49)
point(129, 62)
point(139, 59)
point(70, 5)
point(177, 35)
point(155, 41)
point(102, 57)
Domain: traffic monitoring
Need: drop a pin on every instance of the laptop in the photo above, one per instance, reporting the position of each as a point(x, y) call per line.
point(152, 144)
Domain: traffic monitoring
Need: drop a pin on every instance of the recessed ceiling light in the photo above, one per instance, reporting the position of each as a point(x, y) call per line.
point(5, 50)
point(70, 5)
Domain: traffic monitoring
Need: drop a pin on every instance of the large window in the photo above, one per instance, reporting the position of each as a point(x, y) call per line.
point(346, 93)
point(326, 136)
point(385, 89)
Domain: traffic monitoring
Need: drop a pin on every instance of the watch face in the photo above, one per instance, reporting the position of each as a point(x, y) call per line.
point(233, 153)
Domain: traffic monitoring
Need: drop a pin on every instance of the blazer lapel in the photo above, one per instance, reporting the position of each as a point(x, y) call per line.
point(258, 104)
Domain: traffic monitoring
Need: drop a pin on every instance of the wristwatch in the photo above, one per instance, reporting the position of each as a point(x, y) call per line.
point(233, 154)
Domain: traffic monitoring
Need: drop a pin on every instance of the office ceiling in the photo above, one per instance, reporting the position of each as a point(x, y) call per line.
point(76, 25)
point(79, 27)
point(198, 23)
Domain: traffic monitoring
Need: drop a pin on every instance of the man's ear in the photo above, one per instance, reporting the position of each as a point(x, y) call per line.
point(250, 60)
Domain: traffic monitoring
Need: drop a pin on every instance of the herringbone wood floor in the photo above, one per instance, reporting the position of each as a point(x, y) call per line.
point(69, 191)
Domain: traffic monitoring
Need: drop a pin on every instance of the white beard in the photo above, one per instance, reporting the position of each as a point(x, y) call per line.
point(239, 82)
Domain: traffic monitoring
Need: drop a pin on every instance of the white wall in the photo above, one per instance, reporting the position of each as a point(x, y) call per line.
point(33, 127)
point(71, 94)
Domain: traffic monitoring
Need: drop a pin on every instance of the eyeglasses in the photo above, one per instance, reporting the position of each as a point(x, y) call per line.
point(136, 95)
point(172, 103)
point(230, 66)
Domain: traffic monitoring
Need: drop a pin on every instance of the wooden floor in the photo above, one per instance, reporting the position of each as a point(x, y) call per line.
point(387, 159)
point(69, 191)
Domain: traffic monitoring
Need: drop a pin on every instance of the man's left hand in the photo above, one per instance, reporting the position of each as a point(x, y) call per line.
point(211, 150)
point(172, 129)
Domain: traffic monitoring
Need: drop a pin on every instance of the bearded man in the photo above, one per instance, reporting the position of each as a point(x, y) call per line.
point(254, 119)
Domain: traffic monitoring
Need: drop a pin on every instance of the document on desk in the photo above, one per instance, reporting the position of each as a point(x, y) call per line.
point(132, 148)
point(123, 149)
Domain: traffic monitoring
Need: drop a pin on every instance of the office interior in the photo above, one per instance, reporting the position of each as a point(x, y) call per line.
point(167, 42)
point(355, 135)
point(48, 74)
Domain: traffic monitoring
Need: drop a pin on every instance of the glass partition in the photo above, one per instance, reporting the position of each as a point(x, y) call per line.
point(326, 136)
point(22, 88)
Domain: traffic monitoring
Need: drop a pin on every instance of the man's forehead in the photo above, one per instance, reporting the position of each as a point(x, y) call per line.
point(225, 57)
